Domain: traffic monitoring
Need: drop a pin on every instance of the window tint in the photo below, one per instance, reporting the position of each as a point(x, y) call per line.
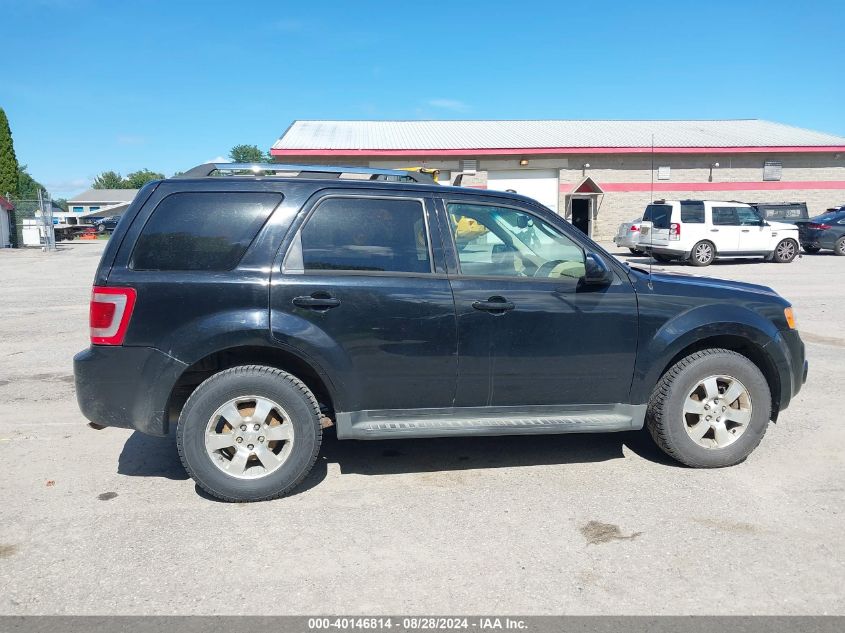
point(692, 212)
point(747, 216)
point(660, 215)
point(385, 234)
point(202, 231)
point(779, 212)
point(503, 242)
point(725, 216)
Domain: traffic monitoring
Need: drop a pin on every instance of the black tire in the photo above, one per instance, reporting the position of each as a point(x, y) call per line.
point(667, 423)
point(785, 251)
point(839, 247)
point(249, 380)
point(703, 253)
point(635, 251)
point(810, 249)
point(663, 259)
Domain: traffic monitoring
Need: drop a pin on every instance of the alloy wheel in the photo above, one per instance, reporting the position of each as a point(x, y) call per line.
point(786, 250)
point(249, 437)
point(703, 253)
point(717, 411)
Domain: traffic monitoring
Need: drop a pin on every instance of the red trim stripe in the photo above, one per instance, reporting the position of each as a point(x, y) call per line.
point(528, 151)
point(715, 186)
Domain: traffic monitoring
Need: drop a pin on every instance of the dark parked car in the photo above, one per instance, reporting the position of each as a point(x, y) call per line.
point(824, 231)
point(105, 225)
point(255, 310)
point(791, 212)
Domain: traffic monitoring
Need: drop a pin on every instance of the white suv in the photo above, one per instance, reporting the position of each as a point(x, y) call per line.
point(699, 231)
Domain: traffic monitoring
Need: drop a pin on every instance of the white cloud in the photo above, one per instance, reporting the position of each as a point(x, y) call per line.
point(449, 104)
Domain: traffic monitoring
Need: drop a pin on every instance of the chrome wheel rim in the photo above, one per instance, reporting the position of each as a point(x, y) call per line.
point(841, 246)
point(717, 411)
point(786, 250)
point(703, 253)
point(249, 437)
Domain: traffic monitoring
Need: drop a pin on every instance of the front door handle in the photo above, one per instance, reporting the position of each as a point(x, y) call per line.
point(316, 302)
point(714, 230)
point(498, 305)
point(745, 230)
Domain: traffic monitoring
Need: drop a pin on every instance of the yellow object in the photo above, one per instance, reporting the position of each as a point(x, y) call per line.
point(790, 317)
point(467, 229)
point(423, 170)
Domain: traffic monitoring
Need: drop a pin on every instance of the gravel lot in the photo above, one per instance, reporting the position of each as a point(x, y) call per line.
point(102, 522)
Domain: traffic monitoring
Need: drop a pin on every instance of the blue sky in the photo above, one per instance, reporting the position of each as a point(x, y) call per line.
point(92, 85)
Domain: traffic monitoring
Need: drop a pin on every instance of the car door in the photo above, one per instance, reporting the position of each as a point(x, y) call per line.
point(529, 332)
point(363, 292)
point(724, 230)
point(754, 235)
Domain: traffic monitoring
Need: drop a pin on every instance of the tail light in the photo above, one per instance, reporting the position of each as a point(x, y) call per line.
point(109, 314)
point(634, 227)
point(674, 231)
point(820, 227)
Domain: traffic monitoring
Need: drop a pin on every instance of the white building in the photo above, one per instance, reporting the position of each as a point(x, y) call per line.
point(100, 202)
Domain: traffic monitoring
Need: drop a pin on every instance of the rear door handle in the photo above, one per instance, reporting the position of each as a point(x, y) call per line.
point(745, 230)
point(714, 230)
point(494, 304)
point(316, 302)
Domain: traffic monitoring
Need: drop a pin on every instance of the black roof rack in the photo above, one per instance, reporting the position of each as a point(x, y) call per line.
point(306, 171)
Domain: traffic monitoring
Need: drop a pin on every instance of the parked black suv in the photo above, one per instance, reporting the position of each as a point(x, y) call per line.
point(256, 308)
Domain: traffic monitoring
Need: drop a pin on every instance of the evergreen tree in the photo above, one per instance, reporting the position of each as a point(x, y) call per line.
point(8, 160)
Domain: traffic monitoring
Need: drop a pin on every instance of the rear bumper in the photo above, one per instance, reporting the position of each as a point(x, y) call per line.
point(666, 250)
point(127, 387)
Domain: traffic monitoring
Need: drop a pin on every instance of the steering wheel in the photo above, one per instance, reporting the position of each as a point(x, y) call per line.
point(548, 267)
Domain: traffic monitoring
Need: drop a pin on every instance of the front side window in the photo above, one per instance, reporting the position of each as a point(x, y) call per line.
point(366, 234)
point(503, 242)
point(725, 216)
point(747, 216)
point(202, 231)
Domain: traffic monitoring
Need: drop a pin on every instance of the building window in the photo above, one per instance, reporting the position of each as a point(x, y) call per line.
point(93, 209)
point(78, 209)
point(664, 172)
point(772, 170)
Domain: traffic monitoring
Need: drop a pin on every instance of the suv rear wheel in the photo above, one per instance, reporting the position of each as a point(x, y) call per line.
point(711, 409)
point(702, 253)
point(785, 251)
point(249, 433)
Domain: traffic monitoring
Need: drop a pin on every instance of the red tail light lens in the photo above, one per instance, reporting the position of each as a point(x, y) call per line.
point(109, 314)
point(634, 227)
point(821, 227)
point(674, 231)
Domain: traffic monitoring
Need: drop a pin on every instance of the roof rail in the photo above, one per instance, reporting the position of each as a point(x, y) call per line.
point(305, 171)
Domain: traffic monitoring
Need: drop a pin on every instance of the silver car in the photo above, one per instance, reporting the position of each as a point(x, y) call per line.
point(628, 236)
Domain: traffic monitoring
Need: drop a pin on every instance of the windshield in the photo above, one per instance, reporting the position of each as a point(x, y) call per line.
point(658, 214)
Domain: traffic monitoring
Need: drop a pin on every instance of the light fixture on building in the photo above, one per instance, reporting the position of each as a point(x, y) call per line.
point(584, 169)
point(710, 177)
point(523, 162)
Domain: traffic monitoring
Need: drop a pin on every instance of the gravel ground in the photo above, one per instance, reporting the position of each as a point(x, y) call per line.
point(107, 522)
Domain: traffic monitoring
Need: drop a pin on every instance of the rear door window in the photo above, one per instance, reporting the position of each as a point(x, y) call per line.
point(725, 216)
point(202, 230)
point(365, 234)
point(660, 215)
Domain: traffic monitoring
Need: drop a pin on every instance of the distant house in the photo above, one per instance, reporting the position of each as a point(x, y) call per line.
point(7, 223)
point(100, 202)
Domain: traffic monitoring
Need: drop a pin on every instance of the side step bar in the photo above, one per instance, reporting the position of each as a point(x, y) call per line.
point(387, 424)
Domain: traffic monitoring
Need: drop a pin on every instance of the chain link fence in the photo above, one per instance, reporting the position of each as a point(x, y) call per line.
point(32, 222)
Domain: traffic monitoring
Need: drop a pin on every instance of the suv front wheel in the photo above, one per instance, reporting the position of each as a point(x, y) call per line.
point(785, 251)
point(249, 433)
point(711, 409)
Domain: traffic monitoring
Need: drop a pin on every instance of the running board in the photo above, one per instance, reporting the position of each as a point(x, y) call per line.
point(394, 423)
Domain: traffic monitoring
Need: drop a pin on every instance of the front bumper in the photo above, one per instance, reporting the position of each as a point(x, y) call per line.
point(787, 352)
point(127, 387)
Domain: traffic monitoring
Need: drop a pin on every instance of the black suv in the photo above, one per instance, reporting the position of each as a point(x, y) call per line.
point(257, 309)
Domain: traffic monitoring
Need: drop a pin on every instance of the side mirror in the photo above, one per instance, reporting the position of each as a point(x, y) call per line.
point(596, 271)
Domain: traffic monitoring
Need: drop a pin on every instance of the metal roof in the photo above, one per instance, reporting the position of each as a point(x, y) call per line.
point(457, 135)
point(104, 196)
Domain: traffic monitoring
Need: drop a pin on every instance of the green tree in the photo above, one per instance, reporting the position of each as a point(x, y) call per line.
point(109, 180)
point(27, 186)
point(61, 203)
point(138, 179)
point(8, 160)
point(247, 154)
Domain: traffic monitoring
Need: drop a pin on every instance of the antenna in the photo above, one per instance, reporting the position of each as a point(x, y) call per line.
point(651, 231)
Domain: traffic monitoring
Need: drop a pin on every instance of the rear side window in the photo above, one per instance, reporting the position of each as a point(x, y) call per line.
point(692, 212)
point(366, 234)
point(202, 231)
point(660, 215)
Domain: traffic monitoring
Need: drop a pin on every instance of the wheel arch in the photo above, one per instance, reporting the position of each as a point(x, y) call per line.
point(272, 356)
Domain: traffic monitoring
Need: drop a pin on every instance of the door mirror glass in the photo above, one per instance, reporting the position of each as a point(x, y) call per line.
point(596, 272)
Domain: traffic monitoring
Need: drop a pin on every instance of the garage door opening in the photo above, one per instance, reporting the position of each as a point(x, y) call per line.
point(541, 184)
